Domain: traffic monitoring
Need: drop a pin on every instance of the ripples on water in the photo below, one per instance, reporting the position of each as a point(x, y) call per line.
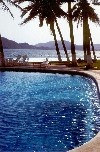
point(42, 54)
point(46, 112)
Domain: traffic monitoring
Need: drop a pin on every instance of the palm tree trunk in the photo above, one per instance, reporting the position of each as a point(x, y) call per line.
point(74, 61)
point(92, 44)
point(56, 43)
point(62, 40)
point(2, 60)
point(84, 40)
point(93, 48)
point(89, 59)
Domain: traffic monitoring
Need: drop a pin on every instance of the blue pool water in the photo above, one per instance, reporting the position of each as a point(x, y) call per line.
point(42, 112)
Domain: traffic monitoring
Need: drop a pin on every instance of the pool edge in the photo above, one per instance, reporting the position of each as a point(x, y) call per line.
point(91, 146)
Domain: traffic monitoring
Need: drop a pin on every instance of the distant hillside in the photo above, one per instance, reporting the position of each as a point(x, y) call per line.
point(9, 44)
point(51, 45)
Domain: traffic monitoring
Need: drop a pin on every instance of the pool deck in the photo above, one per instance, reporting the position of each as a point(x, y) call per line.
point(94, 144)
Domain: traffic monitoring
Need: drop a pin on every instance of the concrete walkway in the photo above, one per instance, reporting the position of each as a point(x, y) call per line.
point(95, 74)
point(92, 146)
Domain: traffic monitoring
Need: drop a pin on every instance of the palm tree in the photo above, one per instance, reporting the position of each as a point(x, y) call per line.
point(62, 40)
point(2, 60)
point(82, 11)
point(48, 11)
point(59, 31)
point(92, 45)
point(95, 2)
point(55, 39)
point(4, 7)
point(74, 61)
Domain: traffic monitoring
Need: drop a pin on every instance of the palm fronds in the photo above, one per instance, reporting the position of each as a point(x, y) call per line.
point(4, 6)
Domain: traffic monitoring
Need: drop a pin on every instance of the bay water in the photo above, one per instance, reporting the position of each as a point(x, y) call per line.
point(40, 55)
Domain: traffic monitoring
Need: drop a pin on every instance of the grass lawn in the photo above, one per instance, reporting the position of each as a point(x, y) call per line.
point(96, 64)
point(81, 64)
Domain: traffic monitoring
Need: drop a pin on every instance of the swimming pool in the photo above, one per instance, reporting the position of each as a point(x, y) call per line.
point(41, 112)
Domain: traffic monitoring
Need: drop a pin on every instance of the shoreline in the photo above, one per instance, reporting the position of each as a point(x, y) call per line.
point(42, 59)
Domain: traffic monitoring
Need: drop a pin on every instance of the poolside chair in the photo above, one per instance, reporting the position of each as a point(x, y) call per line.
point(25, 58)
point(45, 63)
point(18, 58)
point(9, 59)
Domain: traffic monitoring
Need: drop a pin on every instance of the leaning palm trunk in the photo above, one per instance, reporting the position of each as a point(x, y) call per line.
point(74, 61)
point(62, 40)
point(92, 44)
point(84, 40)
point(56, 44)
point(93, 48)
point(2, 61)
point(89, 59)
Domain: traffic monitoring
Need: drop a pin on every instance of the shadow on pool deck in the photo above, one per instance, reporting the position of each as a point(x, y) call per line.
point(30, 68)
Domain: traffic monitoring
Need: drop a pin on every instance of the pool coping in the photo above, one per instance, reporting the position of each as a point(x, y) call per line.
point(94, 144)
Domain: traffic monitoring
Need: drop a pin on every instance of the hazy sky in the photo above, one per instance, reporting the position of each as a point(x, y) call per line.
point(31, 32)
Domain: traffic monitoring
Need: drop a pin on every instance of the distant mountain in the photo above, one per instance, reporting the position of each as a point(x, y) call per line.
point(51, 45)
point(9, 44)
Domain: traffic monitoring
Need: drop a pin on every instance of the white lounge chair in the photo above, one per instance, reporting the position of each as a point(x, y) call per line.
point(45, 63)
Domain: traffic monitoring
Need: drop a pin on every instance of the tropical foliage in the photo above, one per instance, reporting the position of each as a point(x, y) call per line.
point(69, 18)
point(48, 10)
point(3, 5)
point(82, 12)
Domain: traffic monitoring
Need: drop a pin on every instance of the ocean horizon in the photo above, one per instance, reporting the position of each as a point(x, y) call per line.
point(40, 55)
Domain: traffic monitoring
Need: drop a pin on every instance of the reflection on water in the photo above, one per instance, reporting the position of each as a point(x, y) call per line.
point(46, 112)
